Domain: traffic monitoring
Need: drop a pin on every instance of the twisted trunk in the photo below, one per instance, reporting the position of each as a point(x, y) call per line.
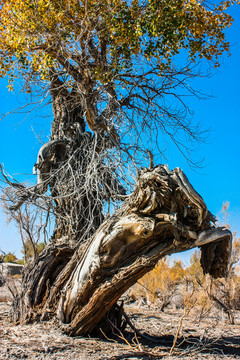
point(91, 262)
point(80, 286)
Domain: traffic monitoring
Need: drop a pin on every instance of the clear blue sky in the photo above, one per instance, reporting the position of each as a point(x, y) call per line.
point(217, 181)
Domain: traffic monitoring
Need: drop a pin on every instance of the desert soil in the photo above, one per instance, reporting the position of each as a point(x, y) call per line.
point(211, 338)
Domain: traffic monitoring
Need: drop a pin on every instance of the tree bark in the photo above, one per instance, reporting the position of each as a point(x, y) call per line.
point(72, 165)
point(62, 167)
point(80, 286)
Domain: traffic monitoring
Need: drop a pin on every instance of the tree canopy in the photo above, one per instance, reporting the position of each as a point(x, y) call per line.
point(118, 55)
point(104, 36)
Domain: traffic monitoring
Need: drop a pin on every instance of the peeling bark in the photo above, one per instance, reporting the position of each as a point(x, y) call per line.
point(79, 286)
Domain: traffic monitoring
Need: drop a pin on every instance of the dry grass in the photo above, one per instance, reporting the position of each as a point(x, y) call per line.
point(210, 337)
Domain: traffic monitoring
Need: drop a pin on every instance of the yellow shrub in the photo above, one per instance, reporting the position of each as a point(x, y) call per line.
point(159, 285)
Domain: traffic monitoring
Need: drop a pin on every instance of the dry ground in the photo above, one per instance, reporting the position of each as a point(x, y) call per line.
point(212, 338)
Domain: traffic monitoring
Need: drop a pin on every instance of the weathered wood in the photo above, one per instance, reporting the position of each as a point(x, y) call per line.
point(79, 286)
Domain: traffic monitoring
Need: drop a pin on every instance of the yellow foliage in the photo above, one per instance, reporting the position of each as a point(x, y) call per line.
point(9, 258)
point(38, 34)
point(198, 291)
point(159, 284)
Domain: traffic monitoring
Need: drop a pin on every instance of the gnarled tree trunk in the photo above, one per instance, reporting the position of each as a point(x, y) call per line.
point(71, 165)
point(92, 261)
point(80, 285)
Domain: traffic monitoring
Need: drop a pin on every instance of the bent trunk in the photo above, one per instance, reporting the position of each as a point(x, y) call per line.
point(80, 285)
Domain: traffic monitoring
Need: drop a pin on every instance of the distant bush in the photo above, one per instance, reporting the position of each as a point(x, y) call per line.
point(159, 285)
point(9, 258)
point(31, 250)
point(173, 284)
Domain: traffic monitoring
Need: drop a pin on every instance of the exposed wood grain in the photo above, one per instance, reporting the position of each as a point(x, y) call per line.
point(163, 215)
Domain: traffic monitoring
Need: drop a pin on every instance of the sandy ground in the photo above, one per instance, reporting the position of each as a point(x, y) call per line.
point(212, 338)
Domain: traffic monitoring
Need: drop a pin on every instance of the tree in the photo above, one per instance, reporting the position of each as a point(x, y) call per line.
point(31, 223)
point(108, 68)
